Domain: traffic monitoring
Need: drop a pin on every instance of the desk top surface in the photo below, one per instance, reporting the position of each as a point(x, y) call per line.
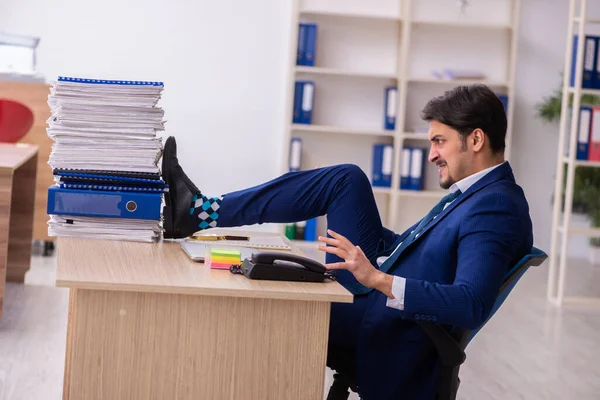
point(13, 155)
point(165, 268)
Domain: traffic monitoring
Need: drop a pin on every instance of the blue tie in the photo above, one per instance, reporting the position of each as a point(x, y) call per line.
point(439, 207)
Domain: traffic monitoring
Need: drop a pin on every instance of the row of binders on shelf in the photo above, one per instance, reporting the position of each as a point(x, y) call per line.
point(105, 159)
point(306, 50)
point(588, 135)
point(411, 170)
point(304, 95)
point(591, 62)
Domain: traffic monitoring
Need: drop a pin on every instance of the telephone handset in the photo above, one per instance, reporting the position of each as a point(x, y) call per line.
point(271, 265)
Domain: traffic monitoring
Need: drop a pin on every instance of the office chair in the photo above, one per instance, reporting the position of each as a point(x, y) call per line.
point(450, 344)
point(15, 120)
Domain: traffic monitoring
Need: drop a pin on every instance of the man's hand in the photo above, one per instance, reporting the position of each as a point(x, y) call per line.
point(356, 262)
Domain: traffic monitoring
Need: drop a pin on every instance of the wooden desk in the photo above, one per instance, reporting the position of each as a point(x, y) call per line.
point(18, 166)
point(145, 322)
point(35, 96)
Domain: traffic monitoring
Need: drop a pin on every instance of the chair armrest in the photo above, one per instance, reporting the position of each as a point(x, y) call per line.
point(449, 350)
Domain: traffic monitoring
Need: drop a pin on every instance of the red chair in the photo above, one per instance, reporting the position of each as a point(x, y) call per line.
point(15, 120)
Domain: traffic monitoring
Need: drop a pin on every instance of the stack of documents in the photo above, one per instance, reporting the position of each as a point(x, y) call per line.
point(105, 159)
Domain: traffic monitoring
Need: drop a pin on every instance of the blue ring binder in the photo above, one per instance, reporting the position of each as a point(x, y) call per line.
point(108, 82)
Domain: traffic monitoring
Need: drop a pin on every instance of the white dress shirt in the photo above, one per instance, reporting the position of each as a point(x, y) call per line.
point(399, 283)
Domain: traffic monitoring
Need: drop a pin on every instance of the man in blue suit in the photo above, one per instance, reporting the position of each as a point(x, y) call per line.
point(447, 268)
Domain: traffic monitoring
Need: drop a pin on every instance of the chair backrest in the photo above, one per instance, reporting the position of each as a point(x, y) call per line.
point(15, 120)
point(451, 345)
point(533, 259)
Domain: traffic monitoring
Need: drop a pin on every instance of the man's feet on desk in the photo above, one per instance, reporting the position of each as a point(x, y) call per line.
point(178, 220)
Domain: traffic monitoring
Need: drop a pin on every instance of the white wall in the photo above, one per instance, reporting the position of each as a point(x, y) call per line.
point(224, 65)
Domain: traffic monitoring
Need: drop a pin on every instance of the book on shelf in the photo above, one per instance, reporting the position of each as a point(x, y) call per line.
point(307, 44)
point(590, 78)
point(412, 168)
point(594, 146)
point(417, 168)
point(457, 74)
point(584, 131)
point(383, 155)
point(588, 134)
point(302, 230)
point(391, 107)
point(304, 92)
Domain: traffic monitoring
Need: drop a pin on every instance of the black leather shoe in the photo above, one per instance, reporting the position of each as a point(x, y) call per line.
point(178, 223)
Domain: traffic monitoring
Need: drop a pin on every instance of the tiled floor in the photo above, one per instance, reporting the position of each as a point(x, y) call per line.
point(529, 350)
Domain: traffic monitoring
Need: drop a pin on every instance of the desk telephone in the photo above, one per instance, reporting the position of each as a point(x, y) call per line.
point(275, 266)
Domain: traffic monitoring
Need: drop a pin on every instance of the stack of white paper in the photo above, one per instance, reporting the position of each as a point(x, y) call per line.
point(105, 159)
point(105, 125)
point(138, 230)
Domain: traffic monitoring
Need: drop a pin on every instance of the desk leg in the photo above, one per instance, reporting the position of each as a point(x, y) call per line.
point(21, 221)
point(5, 197)
point(69, 347)
point(126, 345)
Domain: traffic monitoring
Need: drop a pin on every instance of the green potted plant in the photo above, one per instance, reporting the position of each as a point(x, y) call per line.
point(586, 187)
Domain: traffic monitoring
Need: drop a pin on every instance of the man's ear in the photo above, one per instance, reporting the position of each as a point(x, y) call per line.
point(477, 139)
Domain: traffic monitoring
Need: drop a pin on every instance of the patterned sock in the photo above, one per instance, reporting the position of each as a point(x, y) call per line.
point(205, 209)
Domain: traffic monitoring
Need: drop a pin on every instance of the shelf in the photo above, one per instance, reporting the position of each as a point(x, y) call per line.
point(416, 136)
point(586, 21)
point(586, 91)
point(455, 24)
point(503, 84)
point(335, 14)
point(583, 163)
point(381, 190)
point(340, 130)
point(589, 232)
point(340, 72)
point(432, 194)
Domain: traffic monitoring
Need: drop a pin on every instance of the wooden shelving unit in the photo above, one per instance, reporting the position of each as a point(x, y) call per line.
point(562, 213)
point(362, 47)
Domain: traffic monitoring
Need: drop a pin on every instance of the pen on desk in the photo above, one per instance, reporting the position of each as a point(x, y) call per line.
point(219, 237)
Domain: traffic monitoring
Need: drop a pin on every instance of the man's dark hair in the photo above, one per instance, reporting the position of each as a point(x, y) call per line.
point(466, 108)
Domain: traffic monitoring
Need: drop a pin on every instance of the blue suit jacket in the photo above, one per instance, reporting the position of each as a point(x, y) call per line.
point(453, 273)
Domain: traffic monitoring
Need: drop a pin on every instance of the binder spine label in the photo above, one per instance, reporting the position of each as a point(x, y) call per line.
point(386, 167)
point(307, 96)
point(405, 169)
point(295, 154)
point(590, 52)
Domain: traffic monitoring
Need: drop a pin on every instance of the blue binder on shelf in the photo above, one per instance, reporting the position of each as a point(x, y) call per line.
point(310, 230)
point(301, 47)
point(310, 44)
point(584, 132)
point(589, 79)
point(382, 165)
point(307, 93)
point(391, 105)
point(107, 204)
point(297, 111)
point(417, 167)
point(405, 168)
point(306, 51)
